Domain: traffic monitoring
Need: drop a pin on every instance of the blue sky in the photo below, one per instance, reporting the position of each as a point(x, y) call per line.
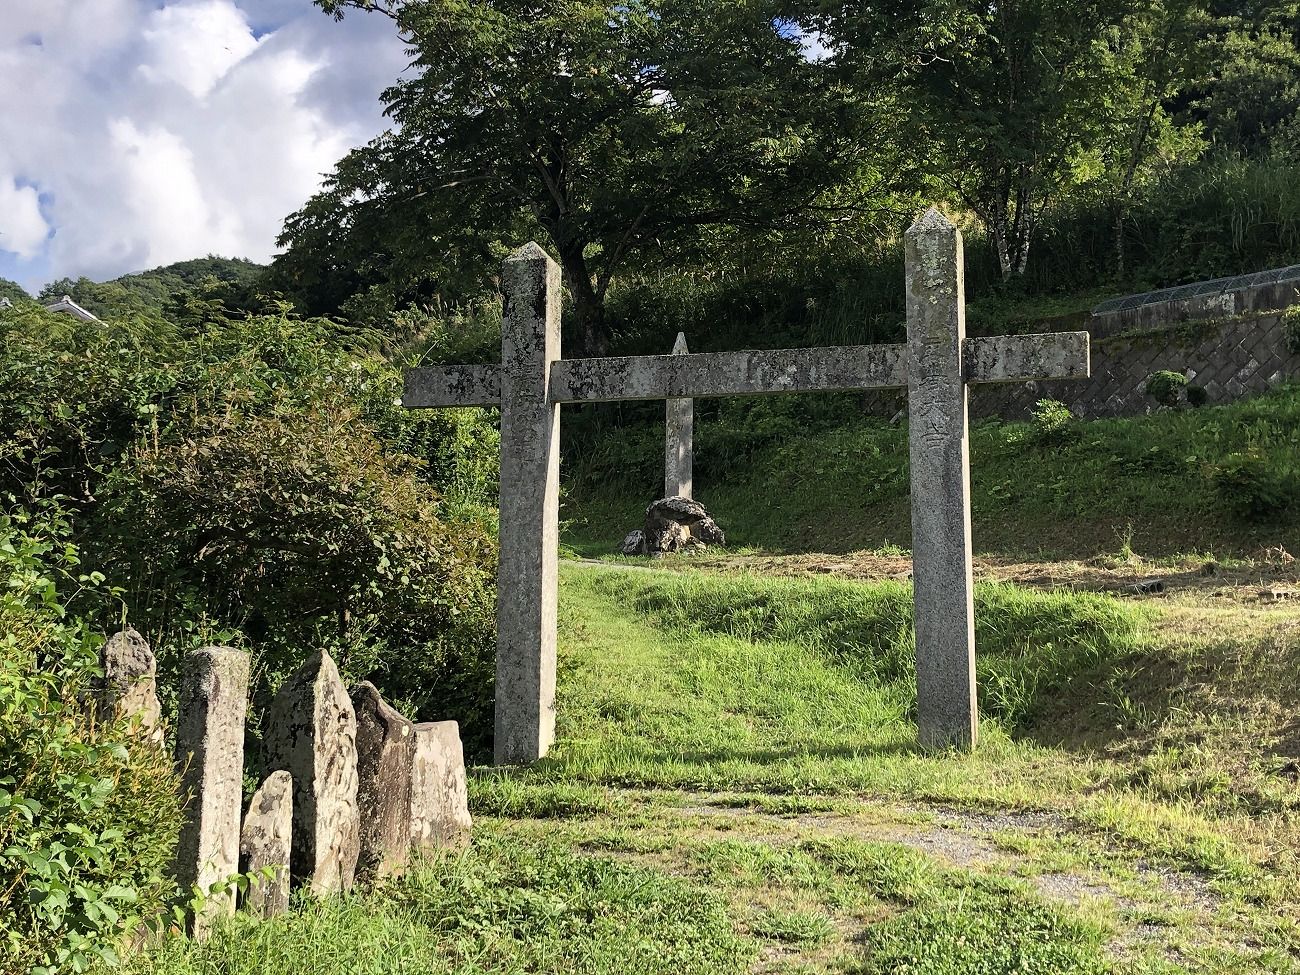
point(134, 133)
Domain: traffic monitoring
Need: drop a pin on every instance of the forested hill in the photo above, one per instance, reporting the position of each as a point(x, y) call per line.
point(151, 292)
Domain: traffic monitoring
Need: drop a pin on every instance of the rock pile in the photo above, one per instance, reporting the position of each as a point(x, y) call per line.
point(674, 525)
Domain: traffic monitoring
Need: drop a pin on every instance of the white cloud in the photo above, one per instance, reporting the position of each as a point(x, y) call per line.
point(22, 228)
point(142, 133)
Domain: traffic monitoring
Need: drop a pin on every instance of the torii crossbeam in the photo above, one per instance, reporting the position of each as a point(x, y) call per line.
point(936, 364)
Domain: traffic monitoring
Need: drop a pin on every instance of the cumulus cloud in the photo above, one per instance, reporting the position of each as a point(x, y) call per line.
point(135, 133)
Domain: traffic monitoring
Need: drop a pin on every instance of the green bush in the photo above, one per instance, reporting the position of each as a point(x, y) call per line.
point(1053, 422)
point(1166, 387)
point(1291, 324)
point(1254, 487)
point(1197, 396)
point(257, 480)
point(89, 814)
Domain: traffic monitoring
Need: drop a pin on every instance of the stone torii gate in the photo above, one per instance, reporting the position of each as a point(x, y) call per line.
point(935, 365)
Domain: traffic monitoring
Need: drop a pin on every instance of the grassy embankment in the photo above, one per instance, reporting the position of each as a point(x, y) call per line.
point(736, 787)
point(1222, 480)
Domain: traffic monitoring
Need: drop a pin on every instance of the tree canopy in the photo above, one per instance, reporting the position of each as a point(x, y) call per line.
point(615, 131)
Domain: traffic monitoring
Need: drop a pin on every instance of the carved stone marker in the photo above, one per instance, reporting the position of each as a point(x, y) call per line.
point(385, 750)
point(130, 686)
point(210, 753)
point(439, 798)
point(264, 842)
point(935, 366)
point(311, 733)
point(679, 440)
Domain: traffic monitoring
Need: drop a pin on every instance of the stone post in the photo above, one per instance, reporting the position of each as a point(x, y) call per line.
point(939, 448)
point(311, 733)
point(265, 841)
point(385, 751)
point(210, 753)
point(130, 685)
point(679, 441)
point(530, 501)
point(439, 792)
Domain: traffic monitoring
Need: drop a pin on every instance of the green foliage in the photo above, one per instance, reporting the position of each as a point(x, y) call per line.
point(258, 476)
point(1291, 324)
point(1166, 387)
point(13, 291)
point(1257, 487)
point(1197, 396)
point(508, 905)
point(88, 813)
point(667, 119)
point(1053, 422)
point(151, 293)
point(781, 474)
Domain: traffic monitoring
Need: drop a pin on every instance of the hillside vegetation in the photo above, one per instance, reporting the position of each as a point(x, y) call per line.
point(800, 477)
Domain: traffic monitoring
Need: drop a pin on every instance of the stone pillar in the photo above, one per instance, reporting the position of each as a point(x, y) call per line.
point(439, 798)
point(679, 442)
point(939, 448)
point(311, 733)
point(530, 501)
point(264, 842)
point(210, 753)
point(385, 750)
point(130, 686)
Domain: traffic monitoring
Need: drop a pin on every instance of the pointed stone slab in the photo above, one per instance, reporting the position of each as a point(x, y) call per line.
point(130, 686)
point(440, 817)
point(385, 751)
point(311, 733)
point(210, 754)
point(264, 843)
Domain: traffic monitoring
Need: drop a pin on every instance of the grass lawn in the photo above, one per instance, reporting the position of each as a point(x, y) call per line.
point(736, 787)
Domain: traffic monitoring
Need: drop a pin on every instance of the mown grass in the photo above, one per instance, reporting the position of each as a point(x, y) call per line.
point(736, 786)
point(776, 476)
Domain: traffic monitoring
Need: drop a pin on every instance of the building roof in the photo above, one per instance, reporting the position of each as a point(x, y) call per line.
point(69, 307)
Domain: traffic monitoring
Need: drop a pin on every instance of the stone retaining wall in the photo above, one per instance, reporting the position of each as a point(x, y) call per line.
point(1230, 358)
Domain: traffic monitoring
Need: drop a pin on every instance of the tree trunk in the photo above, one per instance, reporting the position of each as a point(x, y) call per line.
point(588, 306)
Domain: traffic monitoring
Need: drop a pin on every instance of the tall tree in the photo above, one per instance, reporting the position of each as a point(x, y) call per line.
point(1008, 103)
point(616, 129)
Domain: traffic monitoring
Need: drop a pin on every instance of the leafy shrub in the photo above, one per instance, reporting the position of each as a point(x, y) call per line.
point(1053, 422)
point(1291, 325)
point(259, 476)
point(1197, 396)
point(1254, 487)
point(1166, 387)
point(88, 814)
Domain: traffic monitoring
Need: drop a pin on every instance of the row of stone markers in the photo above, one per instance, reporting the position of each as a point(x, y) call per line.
point(351, 789)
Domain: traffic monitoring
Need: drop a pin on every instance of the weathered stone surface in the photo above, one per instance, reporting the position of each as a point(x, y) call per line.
point(940, 467)
point(385, 752)
point(439, 798)
point(672, 524)
point(1024, 358)
point(529, 520)
point(264, 843)
point(728, 374)
point(210, 754)
point(129, 686)
point(311, 733)
point(679, 440)
point(434, 386)
point(633, 543)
